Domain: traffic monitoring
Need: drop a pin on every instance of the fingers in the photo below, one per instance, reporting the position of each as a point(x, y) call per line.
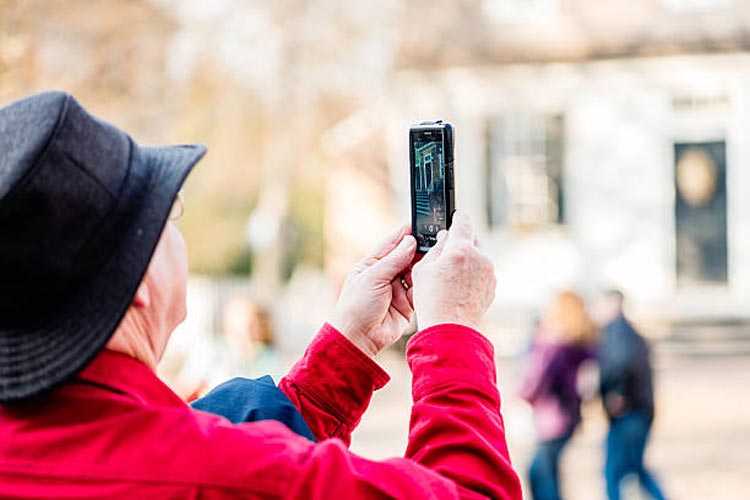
point(417, 258)
point(461, 229)
point(408, 279)
point(408, 283)
point(435, 251)
point(388, 244)
point(442, 236)
point(397, 261)
point(400, 300)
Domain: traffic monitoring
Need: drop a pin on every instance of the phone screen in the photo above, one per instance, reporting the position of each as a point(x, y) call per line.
point(428, 177)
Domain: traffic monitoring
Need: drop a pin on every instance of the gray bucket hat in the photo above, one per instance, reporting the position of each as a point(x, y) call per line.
point(82, 207)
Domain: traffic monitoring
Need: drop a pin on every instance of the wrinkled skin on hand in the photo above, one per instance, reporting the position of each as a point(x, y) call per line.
point(374, 307)
point(454, 282)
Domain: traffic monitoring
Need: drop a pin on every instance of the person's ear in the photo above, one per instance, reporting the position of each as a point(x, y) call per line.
point(142, 296)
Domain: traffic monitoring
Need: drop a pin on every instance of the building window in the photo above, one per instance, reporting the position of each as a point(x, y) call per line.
point(697, 5)
point(524, 170)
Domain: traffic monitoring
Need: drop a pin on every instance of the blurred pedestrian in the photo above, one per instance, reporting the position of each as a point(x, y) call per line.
point(247, 345)
point(563, 340)
point(627, 391)
point(245, 348)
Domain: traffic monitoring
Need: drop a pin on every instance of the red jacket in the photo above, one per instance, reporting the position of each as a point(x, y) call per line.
point(117, 431)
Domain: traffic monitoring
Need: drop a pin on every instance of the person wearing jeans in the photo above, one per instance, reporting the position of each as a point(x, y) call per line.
point(626, 444)
point(562, 342)
point(544, 471)
point(627, 391)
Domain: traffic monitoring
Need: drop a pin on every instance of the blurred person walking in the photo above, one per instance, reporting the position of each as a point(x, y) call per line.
point(627, 391)
point(247, 344)
point(245, 347)
point(94, 284)
point(563, 340)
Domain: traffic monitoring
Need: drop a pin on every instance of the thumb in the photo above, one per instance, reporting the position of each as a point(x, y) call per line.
point(397, 260)
point(436, 250)
point(461, 228)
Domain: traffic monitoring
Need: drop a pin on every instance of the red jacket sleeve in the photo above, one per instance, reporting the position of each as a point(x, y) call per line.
point(332, 385)
point(456, 427)
point(456, 441)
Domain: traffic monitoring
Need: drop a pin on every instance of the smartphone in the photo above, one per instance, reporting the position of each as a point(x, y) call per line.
point(432, 187)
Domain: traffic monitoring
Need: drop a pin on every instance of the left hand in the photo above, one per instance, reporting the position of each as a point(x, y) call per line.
point(374, 307)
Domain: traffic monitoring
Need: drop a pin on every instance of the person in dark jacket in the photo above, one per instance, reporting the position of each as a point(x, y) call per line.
point(627, 391)
point(562, 342)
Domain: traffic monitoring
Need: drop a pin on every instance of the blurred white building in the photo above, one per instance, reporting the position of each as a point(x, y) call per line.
point(598, 144)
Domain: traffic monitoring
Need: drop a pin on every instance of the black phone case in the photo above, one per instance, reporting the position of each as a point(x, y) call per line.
point(449, 185)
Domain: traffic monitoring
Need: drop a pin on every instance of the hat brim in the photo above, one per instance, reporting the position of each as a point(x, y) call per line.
point(41, 359)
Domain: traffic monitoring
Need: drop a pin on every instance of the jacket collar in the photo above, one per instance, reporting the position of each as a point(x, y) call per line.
point(117, 372)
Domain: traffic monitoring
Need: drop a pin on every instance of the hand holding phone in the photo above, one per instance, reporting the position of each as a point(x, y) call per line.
point(454, 282)
point(374, 308)
point(432, 184)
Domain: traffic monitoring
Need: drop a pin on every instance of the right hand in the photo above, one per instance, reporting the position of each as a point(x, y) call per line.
point(453, 283)
point(615, 404)
point(374, 309)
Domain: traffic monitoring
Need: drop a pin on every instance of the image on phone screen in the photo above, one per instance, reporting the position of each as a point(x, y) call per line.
point(429, 186)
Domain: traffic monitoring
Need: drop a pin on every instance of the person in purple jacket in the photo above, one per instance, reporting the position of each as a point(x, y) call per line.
point(563, 340)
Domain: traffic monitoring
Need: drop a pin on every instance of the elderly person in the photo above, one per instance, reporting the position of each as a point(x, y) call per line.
point(93, 284)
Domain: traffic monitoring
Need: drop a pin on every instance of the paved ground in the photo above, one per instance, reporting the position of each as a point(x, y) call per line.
point(700, 447)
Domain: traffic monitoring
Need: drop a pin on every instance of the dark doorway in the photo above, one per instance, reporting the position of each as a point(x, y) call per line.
point(701, 213)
